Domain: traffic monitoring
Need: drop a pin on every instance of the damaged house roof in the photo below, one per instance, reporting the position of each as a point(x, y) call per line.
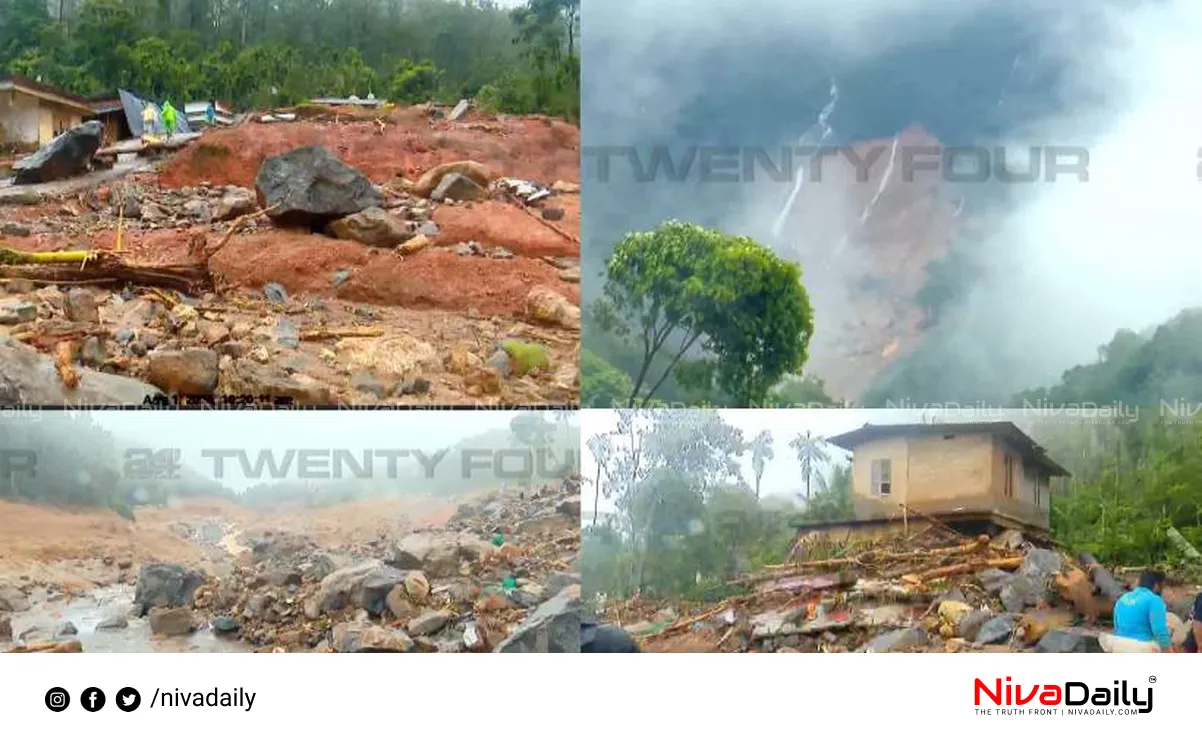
point(45, 92)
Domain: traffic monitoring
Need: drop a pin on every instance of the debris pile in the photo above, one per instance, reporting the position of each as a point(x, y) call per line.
point(501, 576)
point(936, 591)
point(313, 276)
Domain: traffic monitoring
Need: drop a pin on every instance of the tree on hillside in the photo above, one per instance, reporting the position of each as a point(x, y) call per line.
point(683, 289)
point(602, 448)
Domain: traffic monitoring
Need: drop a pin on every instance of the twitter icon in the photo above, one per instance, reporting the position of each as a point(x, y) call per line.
point(128, 699)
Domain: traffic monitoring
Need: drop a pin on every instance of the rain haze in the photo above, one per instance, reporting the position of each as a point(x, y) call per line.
point(1069, 263)
point(781, 474)
point(278, 431)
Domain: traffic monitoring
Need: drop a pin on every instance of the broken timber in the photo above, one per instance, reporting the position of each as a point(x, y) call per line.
point(82, 267)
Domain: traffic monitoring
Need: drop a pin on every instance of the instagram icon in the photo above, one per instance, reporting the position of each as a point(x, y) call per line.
point(57, 699)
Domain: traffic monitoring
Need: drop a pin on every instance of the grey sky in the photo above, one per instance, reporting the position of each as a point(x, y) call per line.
point(782, 474)
point(192, 432)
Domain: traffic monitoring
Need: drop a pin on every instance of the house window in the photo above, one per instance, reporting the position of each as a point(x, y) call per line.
point(882, 477)
point(1038, 484)
point(1008, 481)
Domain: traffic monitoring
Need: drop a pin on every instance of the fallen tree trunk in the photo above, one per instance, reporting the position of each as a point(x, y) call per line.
point(101, 268)
point(1005, 563)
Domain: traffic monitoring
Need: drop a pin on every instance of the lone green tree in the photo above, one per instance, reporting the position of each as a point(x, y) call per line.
point(685, 288)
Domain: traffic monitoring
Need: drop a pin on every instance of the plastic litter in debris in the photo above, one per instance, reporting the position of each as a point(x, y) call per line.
point(287, 333)
point(341, 276)
point(275, 293)
point(509, 583)
point(498, 539)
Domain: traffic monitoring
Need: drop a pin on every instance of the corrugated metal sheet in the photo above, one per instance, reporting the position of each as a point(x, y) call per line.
point(133, 106)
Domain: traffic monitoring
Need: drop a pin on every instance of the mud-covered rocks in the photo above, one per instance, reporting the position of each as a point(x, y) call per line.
point(429, 622)
point(548, 306)
point(470, 170)
point(310, 187)
point(6, 629)
point(553, 628)
point(364, 586)
point(112, 622)
point(360, 637)
point(173, 622)
point(165, 586)
point(235, 202)
point(438, 553)
point(456, 187)
point(12, 599)
point(373, 227)
point(192, 371)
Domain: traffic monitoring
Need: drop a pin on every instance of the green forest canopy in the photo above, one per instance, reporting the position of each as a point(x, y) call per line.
point(81, 464)
point(279, 52)
point(682, 519)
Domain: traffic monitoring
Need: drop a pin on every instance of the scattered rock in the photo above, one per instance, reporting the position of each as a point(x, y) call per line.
point(235, 202)
point(373, 227)
point(896, 641)
point(429, 623)
point(172, 622)
point(431, 179)
point(996, 630)
point(1069, 640)
point(547, 306)
point(113, 622)
point(458, 188)
point(12, 599)
point(192, 371)
point(553, 628)
point(359, 637)
point(6, 629)
point(67, 629)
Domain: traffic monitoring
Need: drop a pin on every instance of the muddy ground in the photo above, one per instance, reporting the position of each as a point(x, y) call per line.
point(449, 315)
point(489, 572)
point(930, 591)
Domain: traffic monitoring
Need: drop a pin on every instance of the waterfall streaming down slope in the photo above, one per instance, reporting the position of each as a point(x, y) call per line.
point(822, 129)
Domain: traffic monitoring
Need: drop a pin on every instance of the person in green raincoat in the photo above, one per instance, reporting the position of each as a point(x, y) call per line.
point(169, 117)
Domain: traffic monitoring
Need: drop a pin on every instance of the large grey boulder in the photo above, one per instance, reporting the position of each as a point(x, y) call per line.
point(67, 155)
point(165, 586)
point(309, 187)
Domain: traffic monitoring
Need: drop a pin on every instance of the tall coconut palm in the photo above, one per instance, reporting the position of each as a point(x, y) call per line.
point(811, 455)
point(761, 455)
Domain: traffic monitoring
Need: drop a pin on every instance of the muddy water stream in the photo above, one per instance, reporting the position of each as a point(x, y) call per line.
point(48, 614)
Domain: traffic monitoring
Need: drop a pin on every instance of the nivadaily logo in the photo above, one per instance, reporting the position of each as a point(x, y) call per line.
point(1068, 698)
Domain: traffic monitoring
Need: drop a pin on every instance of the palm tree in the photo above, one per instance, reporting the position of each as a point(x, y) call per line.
point(761, 455)
point(811, 455)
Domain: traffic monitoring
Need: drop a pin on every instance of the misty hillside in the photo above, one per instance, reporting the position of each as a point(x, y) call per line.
point(534, 433)
point(78, 463)
point(925, 290)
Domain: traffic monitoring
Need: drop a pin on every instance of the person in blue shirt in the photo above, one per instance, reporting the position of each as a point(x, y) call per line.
point(1141, 623)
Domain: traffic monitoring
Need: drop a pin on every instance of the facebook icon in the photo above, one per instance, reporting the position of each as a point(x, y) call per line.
point(92, 699)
